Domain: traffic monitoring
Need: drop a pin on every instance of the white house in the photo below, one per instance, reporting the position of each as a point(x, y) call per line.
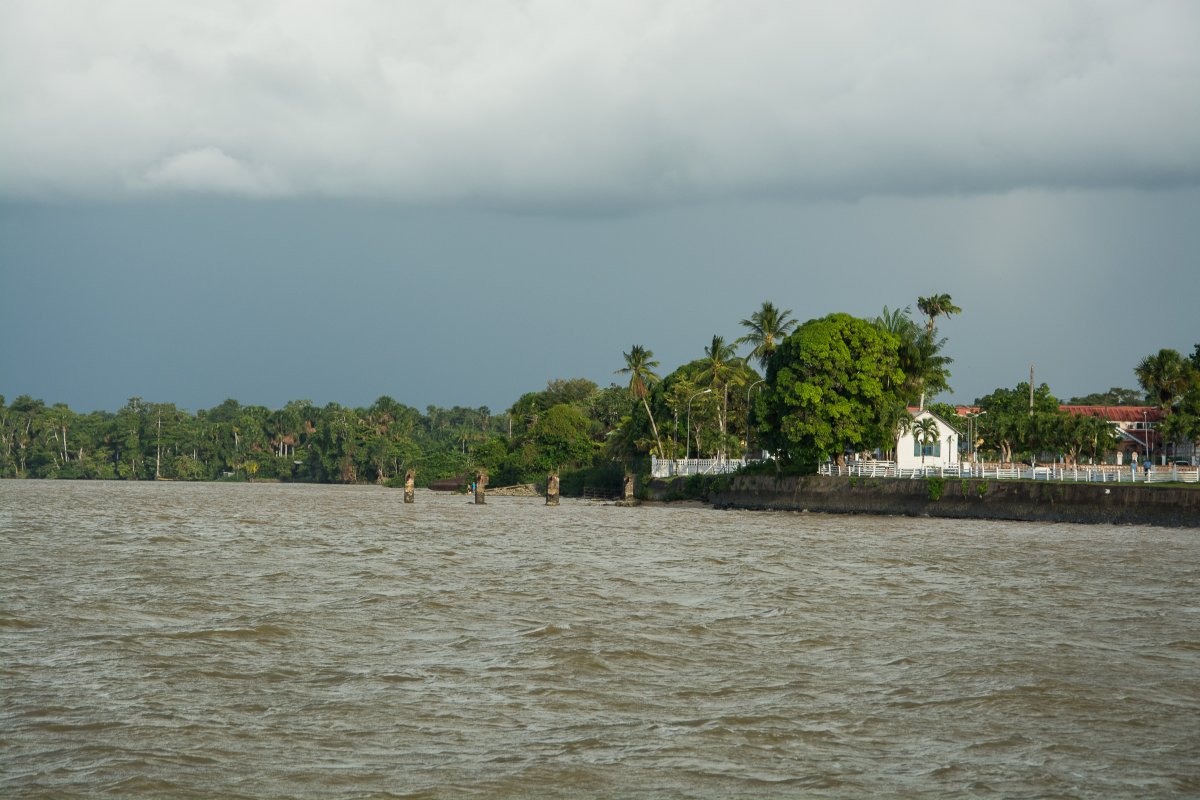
point(942, 450)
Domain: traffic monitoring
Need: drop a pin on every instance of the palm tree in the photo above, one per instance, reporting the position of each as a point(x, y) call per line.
point(897, 322)
point(938, 305)
point(926, 432)
point(1165, 376)
point(925, 369)
point(900, 325)
point(720, 369)
point(928, 368)
point(768, 327)
point(639, 365)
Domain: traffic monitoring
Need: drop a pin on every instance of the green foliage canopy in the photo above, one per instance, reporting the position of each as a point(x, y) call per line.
point(831, 387)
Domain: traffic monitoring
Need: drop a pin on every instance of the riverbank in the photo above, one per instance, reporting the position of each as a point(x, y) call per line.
point(971, 498)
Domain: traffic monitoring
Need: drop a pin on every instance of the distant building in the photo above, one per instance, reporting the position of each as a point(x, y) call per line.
point(912, 453)
point(1135, 425)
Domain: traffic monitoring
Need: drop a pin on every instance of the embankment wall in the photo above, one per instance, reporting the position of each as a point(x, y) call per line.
point(970, 498)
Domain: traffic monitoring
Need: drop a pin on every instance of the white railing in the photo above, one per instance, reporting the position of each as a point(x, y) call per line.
point(1047, 472)
point(671, 467)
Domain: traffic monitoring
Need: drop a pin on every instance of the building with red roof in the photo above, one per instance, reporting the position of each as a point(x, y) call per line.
point(1136, 425)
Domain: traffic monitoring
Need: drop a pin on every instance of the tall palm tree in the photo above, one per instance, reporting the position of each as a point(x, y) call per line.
point(928, 367)
point(1165, 376)
point(899, 324)
point(934, 306)
point(925, 369)
point(925, 431)
point(768, 327)
point(720, 370)
point(639, 366)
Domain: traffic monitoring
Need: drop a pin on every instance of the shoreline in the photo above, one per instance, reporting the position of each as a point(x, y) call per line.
point(966, 498)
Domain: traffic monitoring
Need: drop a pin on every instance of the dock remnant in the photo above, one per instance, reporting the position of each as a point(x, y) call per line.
point(552, 489)
point(628, 498)
point(410, 486)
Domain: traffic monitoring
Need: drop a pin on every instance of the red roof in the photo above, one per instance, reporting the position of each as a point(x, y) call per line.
point(1118, 413)
point(1110, 413)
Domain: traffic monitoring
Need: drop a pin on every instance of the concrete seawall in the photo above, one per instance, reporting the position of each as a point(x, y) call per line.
point(971, 498)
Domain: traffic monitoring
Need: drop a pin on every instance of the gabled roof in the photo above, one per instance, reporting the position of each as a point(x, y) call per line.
point(916, 412)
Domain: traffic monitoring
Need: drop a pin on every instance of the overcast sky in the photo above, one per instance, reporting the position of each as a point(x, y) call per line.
point(454, 202)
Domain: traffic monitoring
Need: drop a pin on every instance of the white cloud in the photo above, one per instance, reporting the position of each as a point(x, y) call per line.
point(207, 170)
point(595, 101)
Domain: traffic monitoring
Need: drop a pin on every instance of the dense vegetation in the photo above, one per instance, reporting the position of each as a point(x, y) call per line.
point(1017, 426)
point(828, 387)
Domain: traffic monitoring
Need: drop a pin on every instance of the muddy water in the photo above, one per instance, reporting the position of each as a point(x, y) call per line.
point(232, 640)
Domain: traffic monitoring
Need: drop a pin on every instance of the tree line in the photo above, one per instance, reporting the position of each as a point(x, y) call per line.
point(147, 440)
point(804, 393)
point(841, 385)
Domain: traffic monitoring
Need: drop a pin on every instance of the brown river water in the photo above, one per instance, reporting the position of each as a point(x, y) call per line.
point(236, 640)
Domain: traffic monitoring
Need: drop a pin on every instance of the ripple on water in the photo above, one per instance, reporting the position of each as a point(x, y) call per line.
point(310, 641)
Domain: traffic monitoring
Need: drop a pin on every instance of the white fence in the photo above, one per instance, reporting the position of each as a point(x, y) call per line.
point(1055, 472)
point(668, 468)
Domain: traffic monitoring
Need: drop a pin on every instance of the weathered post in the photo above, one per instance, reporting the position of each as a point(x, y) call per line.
point(481, 487)
point(410, 490)
point(552, 489)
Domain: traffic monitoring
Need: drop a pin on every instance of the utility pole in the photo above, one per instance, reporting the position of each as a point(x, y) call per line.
point(158, 449)
point(1031, 390)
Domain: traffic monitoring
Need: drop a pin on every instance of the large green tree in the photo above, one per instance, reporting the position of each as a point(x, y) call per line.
point(831, 387)
point(563, 438)
point(1013, 427)
point(1086, 435)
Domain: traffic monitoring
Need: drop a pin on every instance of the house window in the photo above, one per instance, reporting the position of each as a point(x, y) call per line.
point(934, 449)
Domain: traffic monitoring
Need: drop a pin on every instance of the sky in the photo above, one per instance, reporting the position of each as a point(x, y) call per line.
point(453, 203)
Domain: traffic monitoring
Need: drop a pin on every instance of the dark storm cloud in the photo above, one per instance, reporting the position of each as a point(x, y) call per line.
point(192, 302)
point(539, 103)
point(453, 202)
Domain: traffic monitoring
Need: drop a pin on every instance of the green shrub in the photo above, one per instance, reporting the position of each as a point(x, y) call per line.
point(937, 485)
